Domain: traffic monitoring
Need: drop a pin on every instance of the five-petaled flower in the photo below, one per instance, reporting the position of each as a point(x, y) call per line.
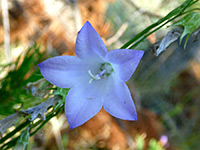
point(96, 78)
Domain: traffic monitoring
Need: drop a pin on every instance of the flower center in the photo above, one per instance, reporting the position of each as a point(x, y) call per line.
point(105, 70)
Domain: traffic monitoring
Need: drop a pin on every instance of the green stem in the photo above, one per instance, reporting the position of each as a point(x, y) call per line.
point(14, 140)
point(20, 127)
point(53, 114)
point(191, 10)
point(10, 144)
point(145, 36)
point(178, 11)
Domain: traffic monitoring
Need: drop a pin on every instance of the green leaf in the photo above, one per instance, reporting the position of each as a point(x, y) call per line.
point(62, 92)
point(12, 87)
point(189, 23)
point(41, 109)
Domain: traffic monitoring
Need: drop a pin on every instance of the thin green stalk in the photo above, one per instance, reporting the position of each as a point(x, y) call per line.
point(20, 127)
point(178, 11)
point(47, 119)
point(191, 10)
point(9, 144)
point(41, 122)
point(145, 36)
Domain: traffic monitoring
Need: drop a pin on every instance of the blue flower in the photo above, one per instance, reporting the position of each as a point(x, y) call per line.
point(96, 78)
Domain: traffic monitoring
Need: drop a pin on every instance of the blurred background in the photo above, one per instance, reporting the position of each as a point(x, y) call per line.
point(166, 89)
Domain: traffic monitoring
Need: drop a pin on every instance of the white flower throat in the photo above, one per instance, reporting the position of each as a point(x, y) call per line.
point(105, 70)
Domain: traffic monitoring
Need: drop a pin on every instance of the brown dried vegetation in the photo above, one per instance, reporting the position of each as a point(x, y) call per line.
point(31, 21)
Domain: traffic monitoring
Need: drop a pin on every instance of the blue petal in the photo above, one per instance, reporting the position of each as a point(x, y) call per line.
point(89, 43)
point(83, 102)
point(63, 71)
point(118, 101)
point(124, 61)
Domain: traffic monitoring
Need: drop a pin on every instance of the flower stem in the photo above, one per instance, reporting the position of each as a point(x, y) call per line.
point(13, 141)
point(169, 17)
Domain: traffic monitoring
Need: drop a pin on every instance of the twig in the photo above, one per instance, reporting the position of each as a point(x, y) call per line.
point(77, 16)
point(118, 34)
point(6, 26)
point(56, 131)
point(142, 11)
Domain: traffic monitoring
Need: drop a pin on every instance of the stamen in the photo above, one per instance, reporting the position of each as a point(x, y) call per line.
point(105, 70)
point(96, 77)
